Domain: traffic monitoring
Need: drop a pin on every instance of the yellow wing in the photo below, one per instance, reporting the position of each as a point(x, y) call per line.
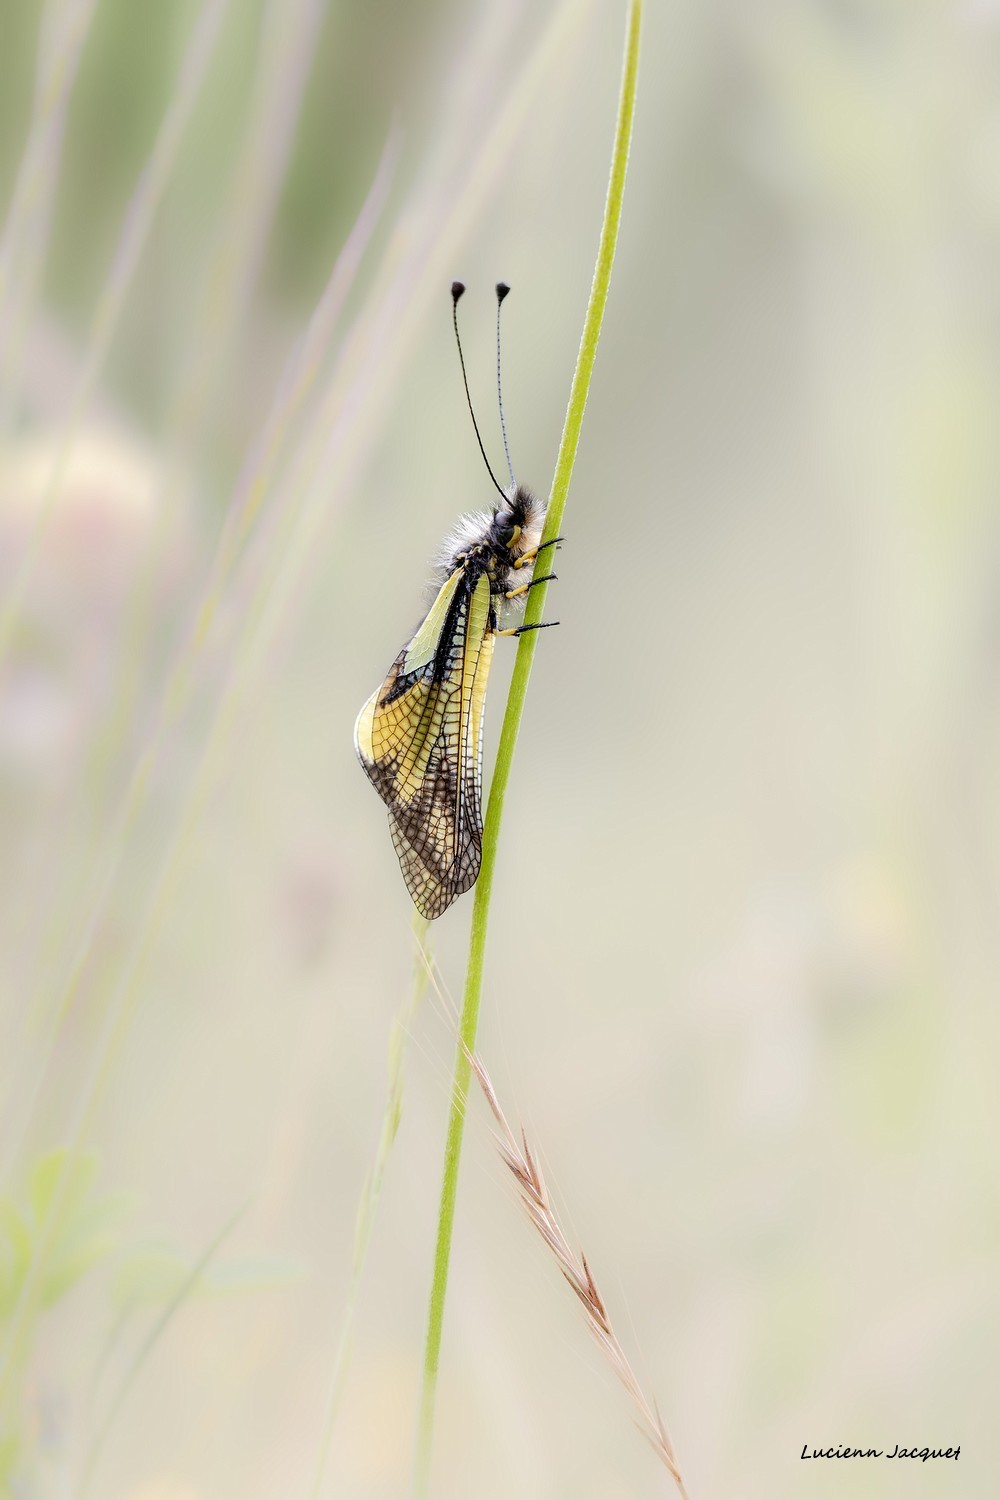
point(419, 739)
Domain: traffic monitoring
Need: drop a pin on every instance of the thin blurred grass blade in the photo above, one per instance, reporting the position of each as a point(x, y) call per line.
point(239, 250)
point(138, 219)
point(413, 276)
point(288, 33)
point(288, 549)
point(62, 34)
point(292, 392)
point(371, 1193)
point(150, 1342)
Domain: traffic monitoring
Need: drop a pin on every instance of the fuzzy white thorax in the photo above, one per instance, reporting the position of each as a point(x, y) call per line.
point(466, 532)
point(474, 528)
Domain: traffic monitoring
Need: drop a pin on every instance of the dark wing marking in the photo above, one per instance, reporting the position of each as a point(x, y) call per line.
point(419, 739)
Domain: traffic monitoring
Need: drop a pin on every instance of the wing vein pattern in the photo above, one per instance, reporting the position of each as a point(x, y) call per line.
point(419, 739)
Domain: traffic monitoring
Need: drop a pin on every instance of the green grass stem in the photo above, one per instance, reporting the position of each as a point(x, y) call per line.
point(468, 1024)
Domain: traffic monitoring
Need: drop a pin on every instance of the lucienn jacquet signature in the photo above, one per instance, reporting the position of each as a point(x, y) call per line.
point(841, 1452)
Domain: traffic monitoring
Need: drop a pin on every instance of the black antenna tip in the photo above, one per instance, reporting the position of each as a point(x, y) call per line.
point(502, 290)
point(457, 288)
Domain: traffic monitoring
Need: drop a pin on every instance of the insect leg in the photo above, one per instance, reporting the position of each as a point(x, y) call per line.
point(520, 629)
point(530, 557)
point(516, 593)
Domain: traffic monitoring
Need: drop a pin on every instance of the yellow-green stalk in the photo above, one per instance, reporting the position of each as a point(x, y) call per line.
point(508, 738)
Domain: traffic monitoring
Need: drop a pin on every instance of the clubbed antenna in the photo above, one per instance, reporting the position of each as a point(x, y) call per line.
point(457, 288)
point(502, 290)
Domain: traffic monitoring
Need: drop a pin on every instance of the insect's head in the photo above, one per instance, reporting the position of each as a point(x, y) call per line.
point(506, 526)
point(517, 520)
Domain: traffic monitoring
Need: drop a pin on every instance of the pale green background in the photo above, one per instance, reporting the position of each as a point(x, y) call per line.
point(742, 975)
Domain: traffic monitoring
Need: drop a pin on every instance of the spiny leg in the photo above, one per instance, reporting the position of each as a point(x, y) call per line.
point(518, 592)
point(530, 557)
point(522, 562)
point(520, 629)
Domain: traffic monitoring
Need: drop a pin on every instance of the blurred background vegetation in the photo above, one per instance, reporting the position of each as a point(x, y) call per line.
point(743, 996)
